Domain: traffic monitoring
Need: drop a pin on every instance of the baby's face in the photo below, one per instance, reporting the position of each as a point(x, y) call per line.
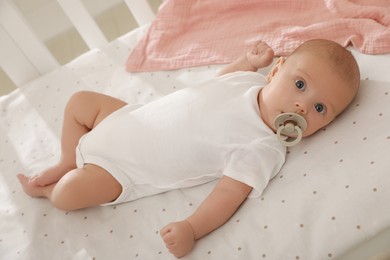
point(306, 85)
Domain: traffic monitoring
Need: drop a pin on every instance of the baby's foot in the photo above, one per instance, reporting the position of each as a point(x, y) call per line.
point(261, 55)
point(33, 191)
point(49, 176)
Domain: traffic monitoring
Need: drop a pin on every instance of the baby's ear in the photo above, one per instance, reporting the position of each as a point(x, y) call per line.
point(275, 68)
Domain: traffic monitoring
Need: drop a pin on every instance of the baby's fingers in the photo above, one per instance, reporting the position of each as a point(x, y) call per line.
point(165, 230)
point(168, 239)
point(167, 235)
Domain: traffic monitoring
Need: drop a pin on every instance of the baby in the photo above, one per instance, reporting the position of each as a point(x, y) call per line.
point(112, 152)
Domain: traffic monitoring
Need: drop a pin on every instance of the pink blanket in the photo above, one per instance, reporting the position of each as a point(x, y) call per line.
point(189, 33)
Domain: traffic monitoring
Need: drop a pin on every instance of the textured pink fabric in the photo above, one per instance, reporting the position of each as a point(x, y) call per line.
point(189, 33)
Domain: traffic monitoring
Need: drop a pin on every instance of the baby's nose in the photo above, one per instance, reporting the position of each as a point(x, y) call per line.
point(300, 108)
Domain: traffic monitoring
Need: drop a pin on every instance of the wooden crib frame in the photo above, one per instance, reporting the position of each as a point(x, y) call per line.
point(24, 57)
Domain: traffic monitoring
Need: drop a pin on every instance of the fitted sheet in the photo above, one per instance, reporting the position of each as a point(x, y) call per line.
point(331, 194)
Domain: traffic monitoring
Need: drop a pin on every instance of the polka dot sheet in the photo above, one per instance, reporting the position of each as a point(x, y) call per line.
point(332, 194)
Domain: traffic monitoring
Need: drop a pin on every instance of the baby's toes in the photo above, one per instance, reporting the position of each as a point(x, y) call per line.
point(34, 181)
point(29, 189)
point(22, 179)
point(37, 180)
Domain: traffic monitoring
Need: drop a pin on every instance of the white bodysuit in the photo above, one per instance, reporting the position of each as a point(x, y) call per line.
point(187, 138)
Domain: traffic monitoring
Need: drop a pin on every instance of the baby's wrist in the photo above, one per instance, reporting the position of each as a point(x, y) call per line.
point(188, 222)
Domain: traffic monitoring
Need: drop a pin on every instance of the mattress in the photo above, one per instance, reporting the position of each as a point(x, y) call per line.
point(331, 195)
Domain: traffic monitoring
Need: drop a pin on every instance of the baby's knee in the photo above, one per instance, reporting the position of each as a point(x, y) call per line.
point(63, 201)
point(65, 196)
point(79, 97)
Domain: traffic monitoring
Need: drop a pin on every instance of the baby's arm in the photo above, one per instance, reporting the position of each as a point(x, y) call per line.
point(215, 210)
point(260, 56)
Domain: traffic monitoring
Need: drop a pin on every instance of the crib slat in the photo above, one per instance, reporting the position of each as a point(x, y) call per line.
point(84, 23)
point(23, 56)
point(14, 63)
point(141, 11)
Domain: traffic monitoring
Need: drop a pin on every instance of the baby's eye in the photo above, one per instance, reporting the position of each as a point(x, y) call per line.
point(300, 84)
point(320, 108)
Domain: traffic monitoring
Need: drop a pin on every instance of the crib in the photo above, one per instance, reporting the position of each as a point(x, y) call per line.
point(330, 200)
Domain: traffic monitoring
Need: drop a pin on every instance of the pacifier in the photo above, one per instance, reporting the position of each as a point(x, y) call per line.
point(290, 128)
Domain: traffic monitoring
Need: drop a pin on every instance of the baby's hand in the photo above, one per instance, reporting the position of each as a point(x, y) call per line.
point(261, 55)
point(178, 237)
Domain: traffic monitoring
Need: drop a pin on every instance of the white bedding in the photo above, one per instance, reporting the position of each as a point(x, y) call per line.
point(332, 193)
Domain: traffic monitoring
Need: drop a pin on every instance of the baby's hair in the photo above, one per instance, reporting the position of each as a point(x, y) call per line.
point(342, 60)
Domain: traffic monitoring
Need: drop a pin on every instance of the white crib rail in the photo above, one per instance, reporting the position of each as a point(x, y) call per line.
point(23, 56)
point(141, 11)
point(84, 23)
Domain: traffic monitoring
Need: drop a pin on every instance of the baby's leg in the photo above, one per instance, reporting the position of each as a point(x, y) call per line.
point(84, 111)
point(77, 189)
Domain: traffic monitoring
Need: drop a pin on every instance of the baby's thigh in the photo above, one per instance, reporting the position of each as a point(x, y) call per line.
point(86, 187)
